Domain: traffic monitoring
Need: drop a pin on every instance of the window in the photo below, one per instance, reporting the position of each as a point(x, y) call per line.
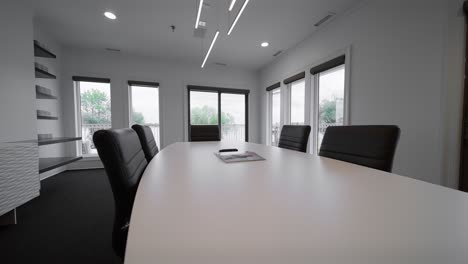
point(144, 106)
point(330, 97)
point(233, 117)
point(322, 102)
point(94, 110)
point(297, 96)
point(226, 108)
point(275, 116)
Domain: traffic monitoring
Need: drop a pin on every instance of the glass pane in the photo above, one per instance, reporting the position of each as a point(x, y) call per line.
point(298, 102)
point(275, 116)
point(233, 117)
point(95, 112)
point(203, 108)
point(331, 100)
point(145, 108)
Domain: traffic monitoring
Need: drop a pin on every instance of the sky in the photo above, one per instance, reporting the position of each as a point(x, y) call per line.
point(146, 101)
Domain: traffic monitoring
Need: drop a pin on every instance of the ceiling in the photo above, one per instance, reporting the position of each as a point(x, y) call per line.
point(143, 27)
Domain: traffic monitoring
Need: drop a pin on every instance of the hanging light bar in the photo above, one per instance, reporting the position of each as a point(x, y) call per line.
point(237, 17)
point(199, 13)
point(231, 6)
point(209, 50)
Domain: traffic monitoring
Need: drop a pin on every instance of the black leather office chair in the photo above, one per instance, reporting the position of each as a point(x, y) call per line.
point(370, 146)
point(204, 133)
point(148, 143)
point(124, 161)
point(294, 138)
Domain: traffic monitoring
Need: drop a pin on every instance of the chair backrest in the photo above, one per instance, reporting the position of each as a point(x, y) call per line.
point(294, 138)
point(124, 161)
point(204, 133)
point(370, 146)
point(148, 143)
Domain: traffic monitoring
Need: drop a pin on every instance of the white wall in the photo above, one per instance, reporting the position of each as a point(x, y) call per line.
point(17, 94)
point(397, 75)
point(172, 76)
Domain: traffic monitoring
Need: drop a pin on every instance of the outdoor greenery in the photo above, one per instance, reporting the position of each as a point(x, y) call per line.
point(209, 116)
point(328, 111)
point(96, 108)
point(138, 118)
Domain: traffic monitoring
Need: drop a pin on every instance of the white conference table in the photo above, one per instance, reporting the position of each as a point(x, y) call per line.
point(291, 208)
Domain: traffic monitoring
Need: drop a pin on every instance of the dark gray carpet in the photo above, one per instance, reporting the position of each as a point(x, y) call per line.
point(70, 222)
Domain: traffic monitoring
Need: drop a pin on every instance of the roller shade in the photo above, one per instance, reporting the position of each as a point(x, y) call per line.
point(144, 84)
point(216, 89)
point(274, 86)
point(328, 65)
point(90, 79)
point(294, 78)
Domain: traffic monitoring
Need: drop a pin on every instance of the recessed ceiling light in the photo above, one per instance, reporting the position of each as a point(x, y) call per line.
point(110, 15)
point(265, 44)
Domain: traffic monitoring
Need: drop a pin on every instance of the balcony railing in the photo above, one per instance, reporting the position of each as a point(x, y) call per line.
point(276, 130)
point(324, 126)
point(233, 132)
point(87, 131)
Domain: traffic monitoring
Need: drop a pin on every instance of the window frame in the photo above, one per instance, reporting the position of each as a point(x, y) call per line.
point(269, 124)
point(155, 85)
point(78, 115)
point(219, 91)
point(289, 102)
point(315, 88)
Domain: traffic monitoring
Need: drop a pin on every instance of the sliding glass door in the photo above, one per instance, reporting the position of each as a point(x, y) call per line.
point(226, 108)
point(233, 125)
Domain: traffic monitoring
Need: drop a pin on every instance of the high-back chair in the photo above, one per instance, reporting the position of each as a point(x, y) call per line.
point(124, 161)
point(370, 146)
point(204, 133)
point(294, 138)
point(148, 143)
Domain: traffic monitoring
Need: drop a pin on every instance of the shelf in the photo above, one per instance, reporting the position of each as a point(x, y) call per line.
point(47, 117)
point(47, 164)
point(56, 140)
point(43, 74)
point(42, 52)
point(49, 141)
point(45, 96)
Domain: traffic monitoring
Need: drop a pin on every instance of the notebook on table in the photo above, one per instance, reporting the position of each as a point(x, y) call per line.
point(239, 157)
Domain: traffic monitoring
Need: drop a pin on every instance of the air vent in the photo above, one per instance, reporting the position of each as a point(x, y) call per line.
point(220, 64)
point(325, 19)
point(277, 53)
point(113, 50)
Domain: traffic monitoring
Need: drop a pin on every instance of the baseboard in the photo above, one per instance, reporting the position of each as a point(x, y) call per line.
point(85, 163)
point(51, 173)
point(84, 169)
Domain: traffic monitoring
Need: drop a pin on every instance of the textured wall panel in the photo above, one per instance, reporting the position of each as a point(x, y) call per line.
point(19, 174)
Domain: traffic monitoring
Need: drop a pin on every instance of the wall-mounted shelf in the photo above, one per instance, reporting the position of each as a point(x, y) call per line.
point(43, 74)
point(47, 164)
point(42, 52)
point(45, 96)
point(56, 140)
point(47, 117)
